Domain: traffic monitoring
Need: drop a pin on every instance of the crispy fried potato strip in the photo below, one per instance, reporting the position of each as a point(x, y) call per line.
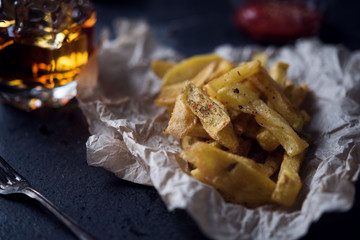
point(213, 117)
point(187, 69)
point(289, 183)
point(237, 74)
point(160, 68)
point(182, 119)
point(279, 73)
point(277, 98)
point(239, 178)
point(267, 140)
point(262, 57)
point(239, 125)
point(237, 96)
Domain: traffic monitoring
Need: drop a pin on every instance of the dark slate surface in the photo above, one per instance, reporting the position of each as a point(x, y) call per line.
point(48, 146)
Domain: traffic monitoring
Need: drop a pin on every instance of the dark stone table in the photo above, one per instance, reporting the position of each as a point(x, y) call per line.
point(48, 145)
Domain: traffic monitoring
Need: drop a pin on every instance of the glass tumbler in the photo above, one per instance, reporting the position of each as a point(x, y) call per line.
point(43, 45)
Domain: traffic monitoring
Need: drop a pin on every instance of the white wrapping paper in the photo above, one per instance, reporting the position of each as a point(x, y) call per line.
point(117, 95)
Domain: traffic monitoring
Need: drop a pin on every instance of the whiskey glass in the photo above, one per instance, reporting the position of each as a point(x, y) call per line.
point(43, 46)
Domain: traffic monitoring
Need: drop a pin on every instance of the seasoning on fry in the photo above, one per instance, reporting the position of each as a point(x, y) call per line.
point(225, 114)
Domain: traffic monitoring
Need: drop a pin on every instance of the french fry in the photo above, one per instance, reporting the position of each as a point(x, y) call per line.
point(227, 138)
point(213, 117)
point(235, 75)
point(289, 183)
point(204, 75)
point(279, 73)
point(252, 87)
point(222, 67)
point(296, 94)
point(215, 144)
point(187, 141)
point(182, 119)
point(238, 96)
point(169, 93)
point(262, 57)
point(187, 69)
point(238, 178)
point(160, 68)
point(278, 100)
point(219, 110)
point(188, 156)
point(266, 140)
point(198, 175)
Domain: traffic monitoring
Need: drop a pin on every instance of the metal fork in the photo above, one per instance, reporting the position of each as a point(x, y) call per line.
point(15, 183)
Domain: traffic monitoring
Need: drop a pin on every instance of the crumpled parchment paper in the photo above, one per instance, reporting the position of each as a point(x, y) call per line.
point(116, 96)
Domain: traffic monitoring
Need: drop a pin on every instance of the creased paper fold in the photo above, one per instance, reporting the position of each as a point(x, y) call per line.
point(116, 92)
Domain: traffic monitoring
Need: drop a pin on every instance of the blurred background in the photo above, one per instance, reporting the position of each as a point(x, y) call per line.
point(194, 27)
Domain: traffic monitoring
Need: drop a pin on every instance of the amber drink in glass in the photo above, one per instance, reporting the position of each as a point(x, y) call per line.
point(43, 46)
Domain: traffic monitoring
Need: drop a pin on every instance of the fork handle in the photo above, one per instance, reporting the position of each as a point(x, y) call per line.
point(76, 229)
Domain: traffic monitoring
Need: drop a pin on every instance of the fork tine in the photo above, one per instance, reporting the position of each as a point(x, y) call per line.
point(10, 170)
point(5, 175)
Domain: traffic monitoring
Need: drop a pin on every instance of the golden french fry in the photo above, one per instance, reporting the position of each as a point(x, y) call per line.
point(252, 87)
point(289, 183)
point(238, 96)
point(187, 141)
point(204, 75)
point(215, 144)
point(279, 73)
point(266, 140)
point(238, 178)
point(188, 68)
point(182, 119)
point(277, 125)
point(277, 98)
point(188, 156)
point(228, 139)
point(168, 94)
point(198, 175)
point(262, 57)
point(219, 110)
point(296, 94)
point(222, 67)
point(160, 68)
point(237, 74)
point(213, 117)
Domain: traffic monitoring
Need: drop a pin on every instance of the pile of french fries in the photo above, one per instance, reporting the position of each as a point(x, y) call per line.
point(240, 126)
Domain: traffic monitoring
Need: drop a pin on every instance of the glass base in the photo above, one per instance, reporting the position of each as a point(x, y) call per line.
point(31, 99)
